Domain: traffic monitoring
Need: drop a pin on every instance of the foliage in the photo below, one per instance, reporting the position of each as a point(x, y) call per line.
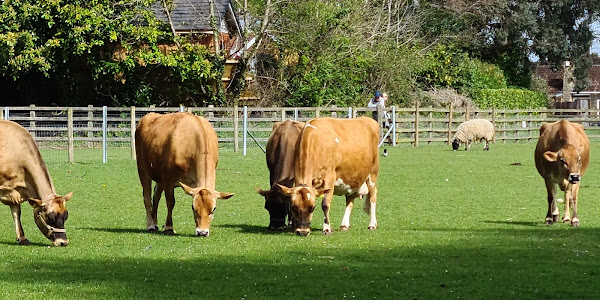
point(337, 54)
point(448, 67)
point(510, 98)
point(508, 33)
point(112, 52)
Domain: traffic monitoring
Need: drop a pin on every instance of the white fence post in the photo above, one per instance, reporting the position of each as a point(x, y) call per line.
point(6, 113)
point(349, 112)
point(245, 128)
point(394, 126)
point(296, 114)
point(181, 108)
point(104, 125)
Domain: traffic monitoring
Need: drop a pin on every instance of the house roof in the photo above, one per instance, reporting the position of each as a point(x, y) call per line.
point(554, 79)
point(194, 15)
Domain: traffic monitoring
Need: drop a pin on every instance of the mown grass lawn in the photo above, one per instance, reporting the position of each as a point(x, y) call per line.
point(452, 225)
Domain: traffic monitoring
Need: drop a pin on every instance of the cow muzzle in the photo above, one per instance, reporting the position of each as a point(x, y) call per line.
point(58, 236)
point(202, 232)
point(574, 178)
point(302, 231)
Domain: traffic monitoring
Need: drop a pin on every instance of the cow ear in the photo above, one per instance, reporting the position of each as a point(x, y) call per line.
point(321, 192)
point(262, 192)
point(68, 196)
point(224, 195)
point(550, 156)
point(188, 190)
point(285, 190)
point(36, 201)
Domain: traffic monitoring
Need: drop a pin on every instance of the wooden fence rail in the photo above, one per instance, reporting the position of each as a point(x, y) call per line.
point(82, 127)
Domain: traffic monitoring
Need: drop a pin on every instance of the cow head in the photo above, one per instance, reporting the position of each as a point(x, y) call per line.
point(278, 205)
point(569, 160)
point(50, 215)
point(303, 201)
point(204, 204)
point(455, 145)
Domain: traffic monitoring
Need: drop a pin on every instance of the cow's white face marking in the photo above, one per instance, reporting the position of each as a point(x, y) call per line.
point(337, 140)
point(308, 195)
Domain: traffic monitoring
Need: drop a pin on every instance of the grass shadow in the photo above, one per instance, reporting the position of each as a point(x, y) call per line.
point(117, 230)
point(253, 229)
point(518, 223)
point(33, 244)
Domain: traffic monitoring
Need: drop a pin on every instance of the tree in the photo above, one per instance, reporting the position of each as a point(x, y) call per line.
point(507, 33)
point(106, 52)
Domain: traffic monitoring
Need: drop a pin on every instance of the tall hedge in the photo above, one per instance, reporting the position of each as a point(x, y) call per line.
point(509, 98)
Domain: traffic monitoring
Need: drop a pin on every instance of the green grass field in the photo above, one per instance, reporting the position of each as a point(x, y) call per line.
point(451, 225)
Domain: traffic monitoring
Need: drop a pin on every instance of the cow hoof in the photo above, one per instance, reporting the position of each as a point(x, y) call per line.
point(372, 227)
point(554, 218)
point(549, 222)
point(169, 232)
point(575, 224)
point(327, 232)
point(344, 228)
point(567, 220)
point(25, 242)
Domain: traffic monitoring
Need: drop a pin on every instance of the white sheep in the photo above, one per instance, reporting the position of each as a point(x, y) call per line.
point(475, 130)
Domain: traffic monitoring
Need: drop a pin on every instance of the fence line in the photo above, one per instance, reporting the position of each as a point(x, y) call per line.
point(69, 128)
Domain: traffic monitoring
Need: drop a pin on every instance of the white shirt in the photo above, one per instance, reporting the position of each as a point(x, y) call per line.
point(373, 103)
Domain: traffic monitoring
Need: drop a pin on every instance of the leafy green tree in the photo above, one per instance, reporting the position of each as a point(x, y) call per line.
point(105, 52)
point(507, 33)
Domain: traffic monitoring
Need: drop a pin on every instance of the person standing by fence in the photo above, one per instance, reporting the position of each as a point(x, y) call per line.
point(377, 102)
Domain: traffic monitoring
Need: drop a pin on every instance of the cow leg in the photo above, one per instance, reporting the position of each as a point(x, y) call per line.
point(170, 196)
point(15, 210)
point(568, 203)
point(487, 145)
point(574, 200)
point(158, 189)
point(371, 202)
point(346, 220)
point(146, 182)
point(552, 215)
point(325, 205)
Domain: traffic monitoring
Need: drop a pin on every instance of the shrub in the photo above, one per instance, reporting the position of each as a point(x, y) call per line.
point(509, 98)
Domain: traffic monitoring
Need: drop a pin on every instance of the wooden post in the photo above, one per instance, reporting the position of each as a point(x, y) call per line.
point(450, 125)
point(90, 125)
point(317, 113)
point(32, 121)
point(430, 124)
point(282, 114)
point(132, 130)
point(236, 129)
point(70, 134)
point(494, 123)
point(417, 124)
point(466, 113)
point(334, 113)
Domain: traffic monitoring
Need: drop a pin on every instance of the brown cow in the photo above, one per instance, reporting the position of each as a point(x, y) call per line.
point(561, 157)
point(280, 161)
point(24, 177)
point(178, 149)
point(334, 156)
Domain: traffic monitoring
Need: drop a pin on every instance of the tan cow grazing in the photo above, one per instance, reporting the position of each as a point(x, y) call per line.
point(178, 149)
point(561, 157)
point(280, 161)
point(24, 177)
point(334, 156)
